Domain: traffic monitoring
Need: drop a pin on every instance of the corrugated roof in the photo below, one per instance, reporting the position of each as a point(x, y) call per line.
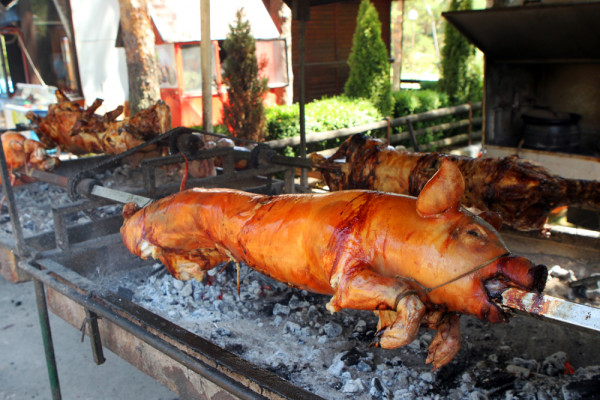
point(179, 20)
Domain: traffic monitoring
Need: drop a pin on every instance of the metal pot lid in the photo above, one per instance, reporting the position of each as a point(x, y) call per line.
point(550, 117)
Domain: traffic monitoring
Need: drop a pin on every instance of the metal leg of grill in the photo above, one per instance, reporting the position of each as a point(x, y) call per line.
point(47, 339)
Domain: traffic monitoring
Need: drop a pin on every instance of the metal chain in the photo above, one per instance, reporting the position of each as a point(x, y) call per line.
point(114, 161)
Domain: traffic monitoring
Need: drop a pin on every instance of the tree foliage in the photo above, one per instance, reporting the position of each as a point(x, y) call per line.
point(368, 61)
point(244, 112)
point(460, 79)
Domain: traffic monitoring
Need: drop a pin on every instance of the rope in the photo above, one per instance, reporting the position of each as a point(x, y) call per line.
point(425, 290)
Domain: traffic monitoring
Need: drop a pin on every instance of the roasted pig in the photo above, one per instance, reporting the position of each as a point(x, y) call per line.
point(521, 192)
point(411, 260)
point(23, 154)
point(74, 129)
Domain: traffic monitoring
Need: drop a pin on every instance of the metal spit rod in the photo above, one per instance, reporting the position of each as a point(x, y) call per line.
point(119, 196)
point(92, 187)
point(553, 309)
point(548, 307)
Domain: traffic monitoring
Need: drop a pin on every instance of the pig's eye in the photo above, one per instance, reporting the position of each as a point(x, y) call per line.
point(476, 232)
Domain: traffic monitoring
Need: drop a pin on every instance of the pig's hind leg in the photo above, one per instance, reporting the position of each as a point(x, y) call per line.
point(400, 313)
point(446, 343)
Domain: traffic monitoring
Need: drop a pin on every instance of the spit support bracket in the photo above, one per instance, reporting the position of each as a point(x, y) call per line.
point(553, 309)
point(91, 321)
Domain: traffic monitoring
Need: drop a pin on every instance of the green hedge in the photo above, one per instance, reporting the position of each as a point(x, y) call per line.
point(321, 115)
point(411, 101)
point(342, 112)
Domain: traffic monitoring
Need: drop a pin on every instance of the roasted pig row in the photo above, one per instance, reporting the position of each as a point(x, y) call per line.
point(76, 130)
point(521, 192)
point(23, 154)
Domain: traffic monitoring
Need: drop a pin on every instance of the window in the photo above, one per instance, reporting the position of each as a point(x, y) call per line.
point(274, 52)
point(192, 74)
point(54, 53)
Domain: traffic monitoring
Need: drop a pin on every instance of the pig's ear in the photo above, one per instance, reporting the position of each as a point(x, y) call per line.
point(442, 191)
point(492, 218)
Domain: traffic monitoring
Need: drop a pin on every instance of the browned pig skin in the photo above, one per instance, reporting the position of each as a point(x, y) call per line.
point(77, 130)
point(521, 192)
point(25, 154)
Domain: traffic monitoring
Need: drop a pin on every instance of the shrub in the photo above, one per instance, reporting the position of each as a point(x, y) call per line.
point(461, 76)
point(321, 115)
point(368, 61)
point(243, 113)
point(409, 101)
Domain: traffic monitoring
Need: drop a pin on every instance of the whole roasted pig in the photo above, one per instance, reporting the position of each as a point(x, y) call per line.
point(74, 129)
point(23, 154)
point(521, 192)
point(413, 261)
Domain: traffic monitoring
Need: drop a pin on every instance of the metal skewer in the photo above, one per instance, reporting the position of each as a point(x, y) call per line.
point(89, 187)
point(547, 307)
point(553, 309)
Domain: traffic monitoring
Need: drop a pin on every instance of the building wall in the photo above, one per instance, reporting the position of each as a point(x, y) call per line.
point(102, 66)
point(329, 35)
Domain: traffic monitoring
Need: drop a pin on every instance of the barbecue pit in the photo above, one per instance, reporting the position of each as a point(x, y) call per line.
point(295, 349)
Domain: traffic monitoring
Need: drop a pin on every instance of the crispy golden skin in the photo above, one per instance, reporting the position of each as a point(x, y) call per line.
point(368, 250)
point(23, 153)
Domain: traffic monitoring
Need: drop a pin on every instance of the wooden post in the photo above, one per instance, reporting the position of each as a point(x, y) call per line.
point(206, 65)
point(301, 12)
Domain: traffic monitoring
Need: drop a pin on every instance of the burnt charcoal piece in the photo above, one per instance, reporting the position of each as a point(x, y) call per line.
point(352, 357)
point(125, 293)
point(236, 348)
point(280, 370)
point(582, 390)
point(496, 381)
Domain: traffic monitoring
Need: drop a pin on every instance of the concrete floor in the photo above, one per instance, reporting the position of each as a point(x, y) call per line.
point(23, 373)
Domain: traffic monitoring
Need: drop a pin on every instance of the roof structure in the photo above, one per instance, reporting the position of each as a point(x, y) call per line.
point(179, 20)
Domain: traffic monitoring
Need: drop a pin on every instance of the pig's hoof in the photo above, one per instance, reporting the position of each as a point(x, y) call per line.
point(446, 343)
point(404, 329)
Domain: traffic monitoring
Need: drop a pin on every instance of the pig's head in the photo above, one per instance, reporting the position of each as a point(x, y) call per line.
point(474, 263)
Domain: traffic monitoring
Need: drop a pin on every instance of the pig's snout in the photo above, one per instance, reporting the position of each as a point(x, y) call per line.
point(506, 272)
point(521, 273)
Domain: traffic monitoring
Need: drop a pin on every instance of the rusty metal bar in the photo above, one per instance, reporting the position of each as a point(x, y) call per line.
point(49, 177)
point(149, 179)
point(144, 333)
point(42, 307)
point(553, 309)
point(91, 321)
point(60, 229)
point(12, 207)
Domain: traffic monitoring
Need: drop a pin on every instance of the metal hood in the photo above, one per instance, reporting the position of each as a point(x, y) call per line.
point(535, 33)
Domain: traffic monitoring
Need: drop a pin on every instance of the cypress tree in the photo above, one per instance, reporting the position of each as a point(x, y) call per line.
point(368, 61)
point(244, 112)
point(459, 79)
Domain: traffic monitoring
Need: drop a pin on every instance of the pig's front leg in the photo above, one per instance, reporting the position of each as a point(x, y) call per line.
point(363, 289)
